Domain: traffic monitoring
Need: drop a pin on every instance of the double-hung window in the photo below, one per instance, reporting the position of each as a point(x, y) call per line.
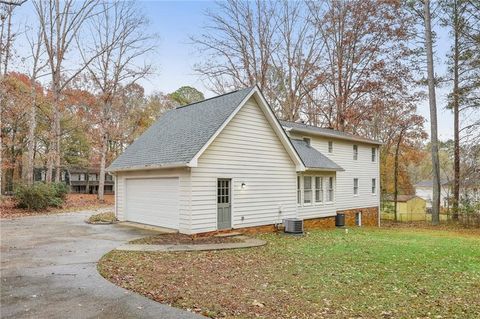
point(330, 189)
point(355, 186)
point(355, 152)
point(307, 189)
point(330, 147)
point(374, 186)
point(318, 189)
point(374, 154)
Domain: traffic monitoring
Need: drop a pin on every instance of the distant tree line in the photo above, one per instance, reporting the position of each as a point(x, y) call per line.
point(78, 100)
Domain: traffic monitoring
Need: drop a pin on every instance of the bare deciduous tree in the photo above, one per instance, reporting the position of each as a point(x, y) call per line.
point(36, 47)
point(268, 43)
point(61, 22)
point(365, 49)
point(121, 30)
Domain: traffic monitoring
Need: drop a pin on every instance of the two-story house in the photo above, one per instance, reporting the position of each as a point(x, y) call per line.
point(229, 163)
point(80, 179)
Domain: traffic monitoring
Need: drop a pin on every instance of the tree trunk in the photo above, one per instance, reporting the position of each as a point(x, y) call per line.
point(32, 124)
point(48, 174)
point(56, 134)
point(101, 182)
point(456, 128)
point(395, 176)
point(433, 115)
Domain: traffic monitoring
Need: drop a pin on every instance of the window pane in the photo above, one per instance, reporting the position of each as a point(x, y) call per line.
point(330, 189)
point(330, 147)
point(318, 189)
point(307, 196)
point(373, 154)
point(307, 182)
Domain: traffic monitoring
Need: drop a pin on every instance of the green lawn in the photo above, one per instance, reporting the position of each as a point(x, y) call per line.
point(365, 273)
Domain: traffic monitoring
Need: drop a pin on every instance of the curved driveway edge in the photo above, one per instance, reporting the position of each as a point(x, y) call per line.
point(49, 270)
point(247, 243)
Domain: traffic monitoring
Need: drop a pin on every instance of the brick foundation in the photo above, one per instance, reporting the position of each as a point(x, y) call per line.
point(369, 218)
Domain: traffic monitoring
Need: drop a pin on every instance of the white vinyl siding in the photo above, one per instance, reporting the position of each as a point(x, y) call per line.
point(184, 192)
point(363, 169)
point(247, 151)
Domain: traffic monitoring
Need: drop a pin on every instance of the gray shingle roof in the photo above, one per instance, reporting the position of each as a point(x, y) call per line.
point(313, 158)
point(327, 132)
point(180, 133)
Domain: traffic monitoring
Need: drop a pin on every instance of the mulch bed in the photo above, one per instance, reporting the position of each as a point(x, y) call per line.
point(73, 202)
point(181, 239)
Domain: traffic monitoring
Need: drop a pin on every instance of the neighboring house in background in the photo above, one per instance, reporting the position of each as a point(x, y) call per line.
point(80, 180)
point(424, 189)
point(409, 208)
point(470, 190)
point(228, 163)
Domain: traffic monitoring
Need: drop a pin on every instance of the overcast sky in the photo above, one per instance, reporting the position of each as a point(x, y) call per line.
point(176, 21)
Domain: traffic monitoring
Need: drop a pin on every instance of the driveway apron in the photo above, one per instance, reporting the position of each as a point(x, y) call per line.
point(48, 270)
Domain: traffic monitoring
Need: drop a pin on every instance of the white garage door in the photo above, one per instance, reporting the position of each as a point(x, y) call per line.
point(153, 201)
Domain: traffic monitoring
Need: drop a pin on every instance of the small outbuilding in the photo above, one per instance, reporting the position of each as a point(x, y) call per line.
point(409, 208)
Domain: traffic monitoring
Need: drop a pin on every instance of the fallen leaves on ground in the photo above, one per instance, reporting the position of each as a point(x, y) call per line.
point(73, 202)
point(367, 273)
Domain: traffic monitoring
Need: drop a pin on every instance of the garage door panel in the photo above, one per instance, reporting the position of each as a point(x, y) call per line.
point(153, 201)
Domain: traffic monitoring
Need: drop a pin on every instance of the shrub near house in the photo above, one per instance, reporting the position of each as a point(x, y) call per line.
point(40, 195)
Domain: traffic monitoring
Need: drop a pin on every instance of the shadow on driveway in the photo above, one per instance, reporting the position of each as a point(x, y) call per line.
point(48, 270)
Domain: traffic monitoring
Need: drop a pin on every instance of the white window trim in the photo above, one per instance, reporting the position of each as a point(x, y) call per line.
point(324, 191)
point(319, 189)
point(328, 201)
point(312, 199)
point(359, 219)
point(328, 147)
point(358, 187)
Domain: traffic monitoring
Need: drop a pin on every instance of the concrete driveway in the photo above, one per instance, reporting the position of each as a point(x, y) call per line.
point(48, 270)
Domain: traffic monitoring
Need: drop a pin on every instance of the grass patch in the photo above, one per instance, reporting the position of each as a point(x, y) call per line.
point(365, 273)
point(102, 218)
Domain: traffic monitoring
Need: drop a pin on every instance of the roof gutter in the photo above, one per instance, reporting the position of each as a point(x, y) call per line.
point(147, 167)
point(324, 169)
point(348, 138)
